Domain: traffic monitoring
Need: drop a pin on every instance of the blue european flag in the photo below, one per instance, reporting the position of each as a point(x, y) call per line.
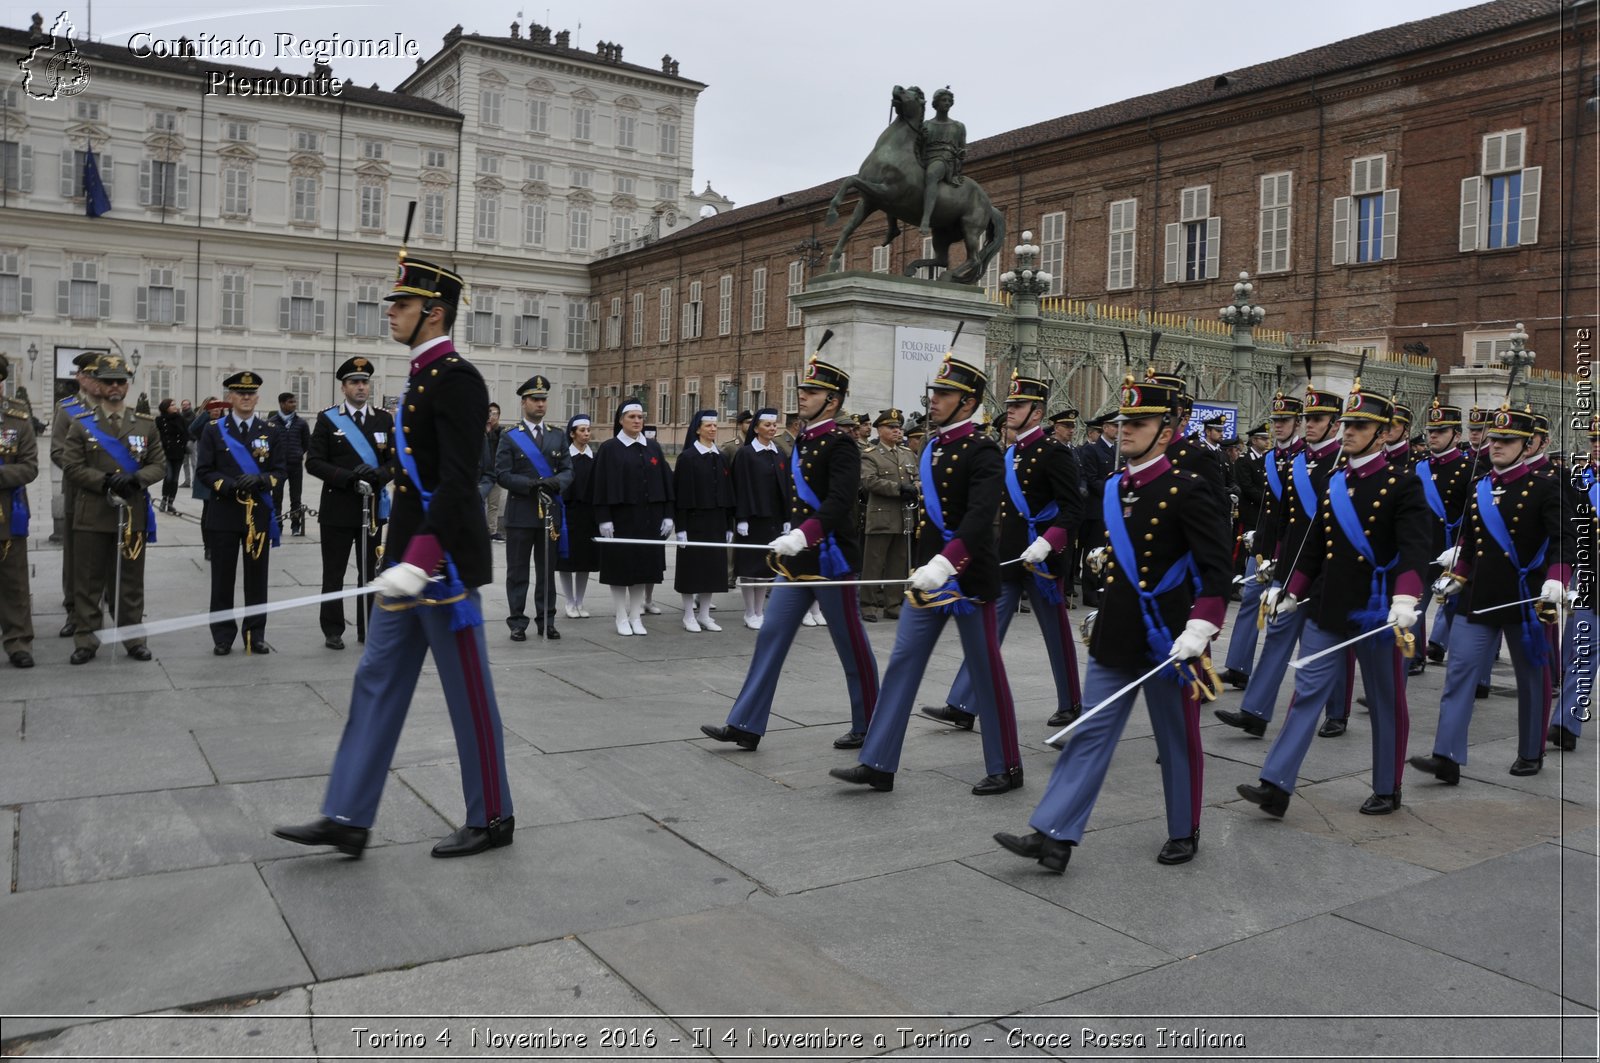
point(95, 200)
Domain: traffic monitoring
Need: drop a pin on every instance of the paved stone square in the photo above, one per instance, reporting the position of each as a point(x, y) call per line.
point(669, 896)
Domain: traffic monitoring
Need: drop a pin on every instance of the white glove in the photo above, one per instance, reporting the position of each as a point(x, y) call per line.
point(789, 543)
point(935, 574)
point(607, 530)
point(1553, 592)
point(1448, 558)
point(1196, 636)
point(1445, 587)
point(1249, 541)
point(683, 537)
point(1280, 602)
point(401, 581)
point(1264, 569)
point(1096, 559)
point(727, 537)
point(743, 527)
point(1403, 611)
point(666, 527)
point(786, 527)
point(1038, 550)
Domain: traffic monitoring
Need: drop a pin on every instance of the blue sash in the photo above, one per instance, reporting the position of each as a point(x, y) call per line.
point(541, 465)
point(363, 447)
point(128, 463)
point(830, 559)
point(1049, 584)
point(464, 612)
point(1344, 514)
point(956, 603)
point(19, 510)
point(1274, 478)
point(1533, 643)
point(1303, 489)
point(1156, 632)
point(247, 464)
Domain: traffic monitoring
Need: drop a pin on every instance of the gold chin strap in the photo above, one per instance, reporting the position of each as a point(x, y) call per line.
point(255, 542)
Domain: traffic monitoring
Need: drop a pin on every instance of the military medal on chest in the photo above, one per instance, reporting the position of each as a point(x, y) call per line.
point(136, 446)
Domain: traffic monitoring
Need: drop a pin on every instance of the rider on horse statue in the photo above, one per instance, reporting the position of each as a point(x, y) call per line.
point(941, 147)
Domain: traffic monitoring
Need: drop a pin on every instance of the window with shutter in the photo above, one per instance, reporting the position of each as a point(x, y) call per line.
point(880, 259)
point(1122, 244)
point(725, 304)
point(638, 318)
point(1272, 247)
point(1366, 223)
point(758, 299)
point(1500, 208)
point(11, 283)
point(797, 283)
point(1052, 250)
point(1192, 250)
point(665, 335)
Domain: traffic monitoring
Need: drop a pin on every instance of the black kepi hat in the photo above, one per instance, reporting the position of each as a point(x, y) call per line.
point(956, 375)
point(357, 368)
point(535, 387)
point(244, 380)
point(1027, 389)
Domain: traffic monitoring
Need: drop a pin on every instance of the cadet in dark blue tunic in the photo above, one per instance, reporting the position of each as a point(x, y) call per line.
point(702, 493)
point(632, 500)
point(428, 602)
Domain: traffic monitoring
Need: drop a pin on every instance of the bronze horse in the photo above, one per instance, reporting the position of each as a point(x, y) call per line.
point(891, 180)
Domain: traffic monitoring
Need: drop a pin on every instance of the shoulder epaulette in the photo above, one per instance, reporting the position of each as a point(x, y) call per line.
point(15, 407)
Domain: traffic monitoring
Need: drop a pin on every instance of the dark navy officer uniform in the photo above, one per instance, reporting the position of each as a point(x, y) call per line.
point(532, 464)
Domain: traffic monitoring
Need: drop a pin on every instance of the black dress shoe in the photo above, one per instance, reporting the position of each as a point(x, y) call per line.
point(1273, 800)
point(140, 653)
point(742, 739)
point(470, 840)
point(1028, 846)
point(1417, 666)
point(1179, 850)
point(849, 740)
point(24, 659)
point(1435, 652)
point(1381, 804)
point(1559, 736)
point(1362, 701)
point(81, 655)
point(519, 636)
point(1332, 727)
point(1524, 766)
point(550, 633)
point(333, 642)
point(258, 646)
point(869, 618)
point(864, 775)
point(1444, 769)
point(1235, 678)
point(1062, 717)
point(68, 630)
point(951, 715)
point(999, 784)
point(221, 650)
point(324, 831)
point(1244, 721)
point(1480, 692)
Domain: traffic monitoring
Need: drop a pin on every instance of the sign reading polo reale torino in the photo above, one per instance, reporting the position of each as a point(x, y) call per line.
point(917, 354)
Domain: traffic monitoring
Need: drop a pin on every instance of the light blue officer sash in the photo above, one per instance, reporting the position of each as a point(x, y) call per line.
point(363, 447)
point(953, 602)
point(1533, 643)
point(1155, 628)
point(541, 464)
point(247, 464)
point(464, 613)
point(830, 559)
point(19, 510)
point(129, 464)
point(1274, 477)
point(1049, 585)
point(1300, 469)
point(1344, 514)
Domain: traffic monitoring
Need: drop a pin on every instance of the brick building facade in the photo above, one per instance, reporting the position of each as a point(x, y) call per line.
point(1431, 183)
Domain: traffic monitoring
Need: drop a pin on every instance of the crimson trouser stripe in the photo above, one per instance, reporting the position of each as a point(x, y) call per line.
point(488, 755)
point(866, 664)
point(1197, 759)
point(1074, 685)
point(1402, 720)
point(1005, 709)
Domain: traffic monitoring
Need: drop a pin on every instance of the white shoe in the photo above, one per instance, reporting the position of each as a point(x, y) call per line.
point(708, 624)
point(752, 622)
point(690, 623)
point(583, 613)
point(638, 627)
point(652, 608)
point(572, 611)
point(822, 621)
point(623, 628)
point(713, 607)
point(808, 620)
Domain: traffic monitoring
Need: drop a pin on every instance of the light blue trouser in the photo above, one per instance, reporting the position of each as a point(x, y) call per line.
point(1467, 642)
point(1283, 636)
point(915, 634)
point(386, 679)
point(1080, 771)
point(1242, 641)
point(1383, 673)
point(1578, 662)
point(1057, 632)
point(785, 609)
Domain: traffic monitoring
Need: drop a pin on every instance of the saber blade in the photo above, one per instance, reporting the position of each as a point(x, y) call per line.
point(1508, 605)
point(809, 583)
point(1061, 736)
point(1303, 661)
point(676, 543)
point(183, 623)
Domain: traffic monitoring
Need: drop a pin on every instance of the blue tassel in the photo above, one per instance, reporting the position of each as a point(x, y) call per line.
point(1533, 643)
point(959, 605)
point(830, 559)
point(149, 520)
point(19, 513)
point(1049, 589)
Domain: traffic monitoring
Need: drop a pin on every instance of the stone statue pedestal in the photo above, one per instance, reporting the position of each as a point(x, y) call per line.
point(890, 333)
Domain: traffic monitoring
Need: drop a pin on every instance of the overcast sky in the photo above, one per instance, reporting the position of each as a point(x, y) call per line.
point(797, 94)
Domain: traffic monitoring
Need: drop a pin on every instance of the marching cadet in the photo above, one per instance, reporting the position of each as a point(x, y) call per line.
point(1476, 448)
point(533, 465)
point(1446, 475)
point(958, 575)
point(19, 467)
point(1039, 517)
point(241, 459)
point(1578, 657)
point(1397, 439)
point(889, 483)
point(1063, 426)
point(72, 408)
point(112, 459)
point(1183, 570)
point(1261, 541)
point(438, 555)
point(1368, 547)
point(825, 473)
point(352, 453)
point(1096, 460)
point(1516, 538)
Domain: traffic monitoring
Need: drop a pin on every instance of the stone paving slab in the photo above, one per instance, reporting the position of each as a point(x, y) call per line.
point(614, 723)
point(554, 880)
point(1252, 875)
point(142, 943)
point(1006, 971)
point(11, 717)
point(1584, 841)
point(52, 675)
point(119, 713)
point(1330, 1007)
point(49, 771)
point(274, 1028)
point(8, 835)
point(1438, 827)
point(94, 838)
point(1571, 776)
point(1529, 915)
point(684, 675)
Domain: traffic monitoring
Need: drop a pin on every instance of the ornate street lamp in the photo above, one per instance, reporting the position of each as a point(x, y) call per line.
point(1520, 358)
point(1025, 285)
point(1244, 316)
